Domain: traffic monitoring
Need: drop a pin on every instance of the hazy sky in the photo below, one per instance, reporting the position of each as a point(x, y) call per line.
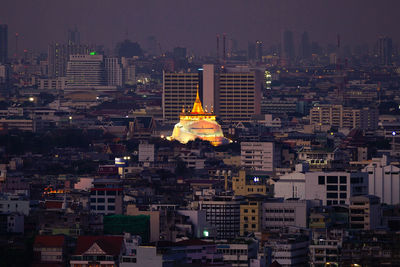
point(194, 24)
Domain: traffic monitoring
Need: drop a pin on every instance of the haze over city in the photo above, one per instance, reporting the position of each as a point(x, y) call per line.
point(194, 24)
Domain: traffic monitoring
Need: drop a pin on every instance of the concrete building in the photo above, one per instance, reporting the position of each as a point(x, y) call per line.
point(113, 70)
point(179, 91)
point(330, 187)
point(280, 213)
point(325, 247)
point(238, 253)
point(85, 71)
point(248, 184)
point(260, 156)
point(138, 255)
point(59, 54)
point(106, 197)
point(238, 94)
point(49, 251)
point(384, 181)
point(14, 204)
point(233, 94)
point(146, 154)
point(154, 220)
point(250, 216)
point(365, 212)
point(224, 214)
point(53, 83)
point(288, 250)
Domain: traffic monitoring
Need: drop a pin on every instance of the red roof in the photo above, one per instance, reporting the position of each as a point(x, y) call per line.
point(275, 264)
point(49, 241)
point(51, 204)
point(193, 242)
point(111, 245)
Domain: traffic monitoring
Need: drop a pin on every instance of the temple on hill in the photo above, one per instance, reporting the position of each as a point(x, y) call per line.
point(198, 124)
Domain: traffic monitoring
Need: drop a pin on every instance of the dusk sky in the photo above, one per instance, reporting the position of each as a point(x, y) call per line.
point(194, 24)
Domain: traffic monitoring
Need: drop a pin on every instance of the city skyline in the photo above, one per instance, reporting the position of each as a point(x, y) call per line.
point(195, 24)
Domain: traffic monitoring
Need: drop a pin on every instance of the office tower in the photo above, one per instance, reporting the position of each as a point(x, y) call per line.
point(85, 71)
point(234, 93)
point(113, 71)
point(58, 56)
point(251, 51)
point(3, 43)
point(259, 50)
point(288, 46)
point(305, 48)
point(74, 37)
point(179, 92)
point(384, 47)
point(238, 94)
point(128, 71)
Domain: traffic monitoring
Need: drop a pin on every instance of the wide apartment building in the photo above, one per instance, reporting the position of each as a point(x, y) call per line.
point(331, 187)
point(344, 117)
point(384, 181)
point(232, 93)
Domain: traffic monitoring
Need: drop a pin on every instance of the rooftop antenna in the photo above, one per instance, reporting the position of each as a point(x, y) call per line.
point(224, 49)
point(217, 47)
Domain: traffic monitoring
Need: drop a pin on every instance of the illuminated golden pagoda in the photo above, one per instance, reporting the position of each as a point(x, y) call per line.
point(198, 124)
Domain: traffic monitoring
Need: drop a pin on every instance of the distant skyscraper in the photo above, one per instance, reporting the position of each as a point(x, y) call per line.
point(113, 71)
point(3, 43)
point(384, 47)
point(85, 71)
point(74, 37)
point(305, 48)
point(251, 51)
point(179, 92)
point(58, 56)
point(288, 46)
point(259, 50)
point(233, 93)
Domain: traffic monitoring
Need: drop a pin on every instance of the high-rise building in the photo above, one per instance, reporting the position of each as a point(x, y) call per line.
point(384, 47)
point(3, 43)
point(288, 46)
point(251, 51)
point(85, 71)
point(305, 48)
point(259, 50)
point(58, 56)
point(233, 93)
point(179, 91)
point(74, 37)
point(238, 94)
point(113, 71)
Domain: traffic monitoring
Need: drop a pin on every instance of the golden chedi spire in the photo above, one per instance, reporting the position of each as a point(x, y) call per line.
point(197, 107)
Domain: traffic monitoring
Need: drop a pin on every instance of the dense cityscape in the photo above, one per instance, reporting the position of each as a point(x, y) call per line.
point(260, 155)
